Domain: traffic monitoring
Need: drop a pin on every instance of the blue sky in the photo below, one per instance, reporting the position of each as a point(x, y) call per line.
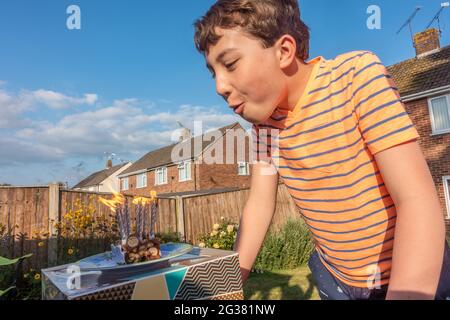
point(120, 83)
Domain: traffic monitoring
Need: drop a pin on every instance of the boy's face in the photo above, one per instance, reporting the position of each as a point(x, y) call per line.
point(247, 75)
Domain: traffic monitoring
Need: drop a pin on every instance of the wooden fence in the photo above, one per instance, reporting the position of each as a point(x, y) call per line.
point(28, 211)
point(203, 211)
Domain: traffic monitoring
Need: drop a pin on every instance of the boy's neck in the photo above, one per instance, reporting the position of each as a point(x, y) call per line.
point(298, 76)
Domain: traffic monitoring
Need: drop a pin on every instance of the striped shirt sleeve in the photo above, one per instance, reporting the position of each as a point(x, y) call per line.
point(381, 115)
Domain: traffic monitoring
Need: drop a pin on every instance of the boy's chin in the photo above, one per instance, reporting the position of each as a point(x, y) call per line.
point(255, 119)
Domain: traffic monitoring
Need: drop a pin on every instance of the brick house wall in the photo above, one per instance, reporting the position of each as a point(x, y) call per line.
point(436, 148)
point(173, 185)
point(217, 176)
point(203, 176)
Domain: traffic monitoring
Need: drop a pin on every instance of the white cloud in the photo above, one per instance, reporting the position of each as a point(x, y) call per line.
point(16, 151)
point(13, 106)
point(2, 82)
point(129, 128)
point(56, 100)
point(124, 128)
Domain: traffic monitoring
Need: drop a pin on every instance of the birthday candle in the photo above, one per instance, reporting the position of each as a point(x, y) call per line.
point(138, 221)
point(144, 217)
point(127, 219)
point(153, 220)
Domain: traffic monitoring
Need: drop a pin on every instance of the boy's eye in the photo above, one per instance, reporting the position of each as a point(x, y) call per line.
point(230, 66)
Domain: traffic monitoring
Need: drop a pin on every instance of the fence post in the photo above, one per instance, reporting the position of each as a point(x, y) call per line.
point(180, 217)
point(53, 217)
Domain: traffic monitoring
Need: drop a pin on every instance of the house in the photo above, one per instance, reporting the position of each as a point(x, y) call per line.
point(424, 86)
point(105, 180)
point(219, 159)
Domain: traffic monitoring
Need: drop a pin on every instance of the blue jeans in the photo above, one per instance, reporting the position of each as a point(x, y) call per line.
point(331, 288)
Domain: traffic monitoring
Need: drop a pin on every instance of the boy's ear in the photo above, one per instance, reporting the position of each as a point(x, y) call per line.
point(286, 50)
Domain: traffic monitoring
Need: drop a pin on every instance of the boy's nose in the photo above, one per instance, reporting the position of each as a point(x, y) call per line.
point(223, 88)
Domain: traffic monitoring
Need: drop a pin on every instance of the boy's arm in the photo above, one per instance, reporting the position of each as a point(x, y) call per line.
point(420, 230)
point(390, 135)
point(257, 215)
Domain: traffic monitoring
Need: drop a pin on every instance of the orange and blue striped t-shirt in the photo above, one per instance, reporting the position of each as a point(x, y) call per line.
point(324, 152)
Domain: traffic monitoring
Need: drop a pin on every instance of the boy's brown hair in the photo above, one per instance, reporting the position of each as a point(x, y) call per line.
point(266, 20)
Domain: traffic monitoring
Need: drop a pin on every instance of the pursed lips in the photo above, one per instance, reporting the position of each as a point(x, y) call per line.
point(236, 106)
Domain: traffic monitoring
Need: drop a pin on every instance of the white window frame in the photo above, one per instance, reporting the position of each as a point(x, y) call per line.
point(127, 184)
point(247, 168)
point(186, 165)
point(430, 109)
point(138, 177)
point(164, 172)
point(446, 180)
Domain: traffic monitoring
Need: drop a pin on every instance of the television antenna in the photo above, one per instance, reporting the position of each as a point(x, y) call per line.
point(109, 155)
point(408, 23)
point(437, 16)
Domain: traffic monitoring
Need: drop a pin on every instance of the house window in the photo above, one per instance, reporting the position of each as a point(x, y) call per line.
point(161, 176)
point(447, 194)
point(184, 171)
point(125, 184)
point(440, 114)
point(243, 169)
point(141, 181)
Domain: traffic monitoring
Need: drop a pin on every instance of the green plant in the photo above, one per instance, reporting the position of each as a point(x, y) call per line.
point(83, 233)
point(288, 248)
point(169, 237)
point(222, 236)
point(12, 275)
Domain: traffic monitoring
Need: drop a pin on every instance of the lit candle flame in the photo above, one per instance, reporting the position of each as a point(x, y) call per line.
point(112, 204)
point(141, 200)
point(145, 200)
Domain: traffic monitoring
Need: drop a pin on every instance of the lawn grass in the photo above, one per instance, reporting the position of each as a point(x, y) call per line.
point(296, 284)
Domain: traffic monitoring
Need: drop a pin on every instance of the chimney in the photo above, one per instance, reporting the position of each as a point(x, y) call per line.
point(426, 42)
point(109, 164)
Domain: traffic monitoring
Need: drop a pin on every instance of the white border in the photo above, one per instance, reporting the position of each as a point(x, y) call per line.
point(446, 180)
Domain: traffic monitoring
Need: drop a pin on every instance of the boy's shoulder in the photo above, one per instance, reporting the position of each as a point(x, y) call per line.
point(352, 58)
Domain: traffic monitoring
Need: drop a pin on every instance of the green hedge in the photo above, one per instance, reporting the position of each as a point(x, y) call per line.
point(286, 249)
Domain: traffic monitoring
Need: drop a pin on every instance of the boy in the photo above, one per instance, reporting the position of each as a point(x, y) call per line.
point(338, 136)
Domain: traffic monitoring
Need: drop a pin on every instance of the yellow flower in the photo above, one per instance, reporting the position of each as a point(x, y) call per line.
point(70, 252)
point(223, 234)
point(214, 233)
point(25, 275)
point(37, 276)
point(41, 244)
point(216, 246)
point(216, 226)
point(230, 228)
point(201, 244)
point(222, 218)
